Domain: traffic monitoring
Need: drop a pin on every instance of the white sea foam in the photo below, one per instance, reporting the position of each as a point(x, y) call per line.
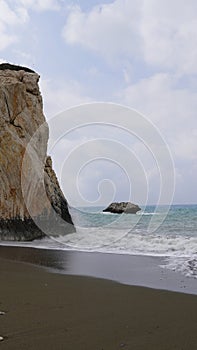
point(186, 265)
point(137, 242)
point(148, 214)
point(108, 213)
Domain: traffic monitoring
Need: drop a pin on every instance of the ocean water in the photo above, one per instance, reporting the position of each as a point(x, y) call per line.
point(154, 231)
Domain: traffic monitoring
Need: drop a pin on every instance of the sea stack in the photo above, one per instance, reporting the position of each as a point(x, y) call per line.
point(122, 207)
point(31, 201)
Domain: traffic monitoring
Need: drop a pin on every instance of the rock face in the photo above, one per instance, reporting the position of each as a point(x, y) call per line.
point(122, 207)
point(31, 200)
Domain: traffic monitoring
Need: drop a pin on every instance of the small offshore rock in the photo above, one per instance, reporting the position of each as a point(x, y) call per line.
point(122, 207)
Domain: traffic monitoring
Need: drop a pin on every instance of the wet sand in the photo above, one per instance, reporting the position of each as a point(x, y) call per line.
point(55, 311)
point(127, 269)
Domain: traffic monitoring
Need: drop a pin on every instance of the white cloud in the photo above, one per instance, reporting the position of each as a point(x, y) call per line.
point(106, 28)
point(185, 145)
point(162, 33)
point(5, 39)
point(11, 15)
point(40, 5)
point(14, 14)
point(7, 16)
point(60, 96)
point(9, 19)
point(163, 101)
point(173, 110)
point(169, 32)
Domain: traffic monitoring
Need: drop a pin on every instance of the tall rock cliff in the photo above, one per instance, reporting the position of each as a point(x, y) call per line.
point(31, 201)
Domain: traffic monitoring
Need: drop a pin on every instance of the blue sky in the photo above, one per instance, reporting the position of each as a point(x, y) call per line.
point(139, 53)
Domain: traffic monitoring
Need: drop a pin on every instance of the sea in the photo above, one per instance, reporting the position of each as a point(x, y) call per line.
point(157, 231)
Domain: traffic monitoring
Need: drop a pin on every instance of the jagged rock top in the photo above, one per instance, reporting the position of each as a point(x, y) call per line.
point(11, 75)
point(4, 66)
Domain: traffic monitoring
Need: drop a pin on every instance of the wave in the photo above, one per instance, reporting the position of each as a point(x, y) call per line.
point(148, 214)
point(180, 252)
point(185, 265)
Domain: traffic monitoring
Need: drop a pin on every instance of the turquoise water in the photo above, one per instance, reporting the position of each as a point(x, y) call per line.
point(178, 219)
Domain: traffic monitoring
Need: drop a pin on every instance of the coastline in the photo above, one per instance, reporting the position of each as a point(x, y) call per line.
point(56, 311)
point(134, 270)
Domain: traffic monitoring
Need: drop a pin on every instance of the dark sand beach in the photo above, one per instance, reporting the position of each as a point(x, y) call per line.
point(47, 310)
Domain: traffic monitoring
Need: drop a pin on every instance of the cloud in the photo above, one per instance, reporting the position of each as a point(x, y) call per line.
point(60, 96)
point(106, 28)
point(173, 110)
point(169, 32)
point(11, 16)
point(6, 39)
point(9, 19)
point(185, 145)
point(14, 14)
point(40, 5)
point(170, 107)
point(162, 34)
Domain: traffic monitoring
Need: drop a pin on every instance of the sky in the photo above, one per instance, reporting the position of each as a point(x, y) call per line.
point(140, 54)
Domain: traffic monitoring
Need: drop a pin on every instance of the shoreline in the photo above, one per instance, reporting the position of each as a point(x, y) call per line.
point(133, 270)
point(52, 311)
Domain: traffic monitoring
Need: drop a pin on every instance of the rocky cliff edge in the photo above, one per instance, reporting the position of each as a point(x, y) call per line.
point(31, 201)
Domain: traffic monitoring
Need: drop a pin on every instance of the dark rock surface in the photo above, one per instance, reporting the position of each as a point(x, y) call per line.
point(122, 207)
point(4, 66)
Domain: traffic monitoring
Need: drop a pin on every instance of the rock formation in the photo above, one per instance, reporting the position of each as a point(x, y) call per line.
point(122, 207)
point(31, 201)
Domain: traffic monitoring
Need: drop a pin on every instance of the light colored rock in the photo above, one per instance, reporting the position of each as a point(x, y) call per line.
point(21, 117)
